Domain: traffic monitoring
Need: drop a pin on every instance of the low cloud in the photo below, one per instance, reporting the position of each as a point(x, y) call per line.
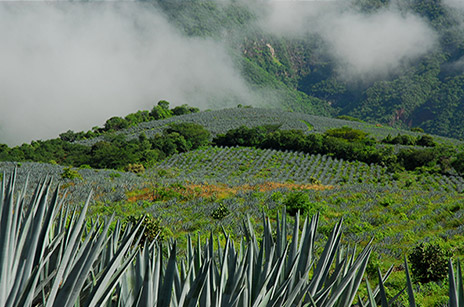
point(73, 65)
point(456, 4)
point(372, 46)
point(365, 46)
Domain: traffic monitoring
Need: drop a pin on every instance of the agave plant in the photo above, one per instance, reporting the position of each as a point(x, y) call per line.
point(49, 256)
point(277, 272)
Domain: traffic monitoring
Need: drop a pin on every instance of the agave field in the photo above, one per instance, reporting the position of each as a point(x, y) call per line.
point(305, 262)
point(107, 185)
point(73, 264)
point(212, 190)
point(221, 121)
point(240, 165)
point(250, 165)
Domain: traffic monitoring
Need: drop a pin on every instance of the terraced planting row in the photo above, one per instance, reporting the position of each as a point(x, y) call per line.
point(240, 165)
point(106, 185)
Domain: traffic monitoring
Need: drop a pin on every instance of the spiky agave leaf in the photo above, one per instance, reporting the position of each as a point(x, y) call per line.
point(274, 273)
point(44, 259)
point(456, 291)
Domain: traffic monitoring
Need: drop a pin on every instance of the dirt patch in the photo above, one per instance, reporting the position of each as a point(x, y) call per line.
point(192, 191)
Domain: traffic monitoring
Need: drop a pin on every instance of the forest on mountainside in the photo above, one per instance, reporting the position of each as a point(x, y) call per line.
point(423, 88)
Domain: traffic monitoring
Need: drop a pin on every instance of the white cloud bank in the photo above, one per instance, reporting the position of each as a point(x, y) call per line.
point(364, 45)
point(73, 65)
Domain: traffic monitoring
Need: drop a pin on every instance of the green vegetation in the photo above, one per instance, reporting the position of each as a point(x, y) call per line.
point(429, 263)
point(402, 188)
point(114, 151)
point(351, 144)
point(401, 191)
point(99, 269)
point(114, 124)
point(69, 173)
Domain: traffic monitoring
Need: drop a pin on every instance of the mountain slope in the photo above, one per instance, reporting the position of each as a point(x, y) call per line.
point(301, 74)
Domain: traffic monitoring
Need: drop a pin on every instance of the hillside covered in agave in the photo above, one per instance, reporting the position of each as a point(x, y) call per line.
point(398, 192)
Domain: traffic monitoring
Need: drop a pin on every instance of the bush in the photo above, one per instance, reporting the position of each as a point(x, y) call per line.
point(426, 141)
point(297, 201)
point(151, 227)
point(347, 133)
point(429, 263)
point(135, 168)
point(69, 173)
point(220, 212)
point(195, 135)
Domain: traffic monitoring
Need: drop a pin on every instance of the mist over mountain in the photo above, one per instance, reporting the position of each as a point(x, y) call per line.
point(363, 46)
point(72, 65)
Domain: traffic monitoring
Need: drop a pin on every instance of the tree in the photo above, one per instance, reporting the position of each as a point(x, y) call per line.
point(425, 140)
point(159, 112)
point(163, 104)
point(116, 123)
point(194, 134)
point(429, 263)
point(68, 136)
point(184, 109)
point(458, 163)
point(347, 133)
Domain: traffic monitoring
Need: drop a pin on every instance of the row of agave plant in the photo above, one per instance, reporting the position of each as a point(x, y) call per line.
point(50, 255)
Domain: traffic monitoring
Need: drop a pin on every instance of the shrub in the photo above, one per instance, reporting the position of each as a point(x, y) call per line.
point(220, 212)
point(195, 135)
point(429, 263)
point(135, 168)
point(297, 201)
point(417, 129)
point(69, 173)
point(151, 227)
point(425, 140)
point(347, 133)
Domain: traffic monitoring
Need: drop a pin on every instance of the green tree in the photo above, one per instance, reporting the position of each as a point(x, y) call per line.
point(429, 263)
point(116, 123)
point(195, 135)
point(458, 163)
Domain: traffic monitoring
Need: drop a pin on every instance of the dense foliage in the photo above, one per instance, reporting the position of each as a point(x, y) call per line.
point(429, 263)
point(116, 123)
point(114, 151)
point(350, 144)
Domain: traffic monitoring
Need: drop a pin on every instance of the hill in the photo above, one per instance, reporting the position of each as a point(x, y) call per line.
point(221, 121)
point(287, 161)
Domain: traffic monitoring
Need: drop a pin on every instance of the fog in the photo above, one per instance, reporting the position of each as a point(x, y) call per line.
point(455, 4)
point(365, 46)
point(74, 65)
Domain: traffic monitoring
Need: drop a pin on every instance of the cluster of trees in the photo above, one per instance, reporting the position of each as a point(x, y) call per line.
point(115, 151)
point(116, 123)
point(349, 144)
point(404, 139)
